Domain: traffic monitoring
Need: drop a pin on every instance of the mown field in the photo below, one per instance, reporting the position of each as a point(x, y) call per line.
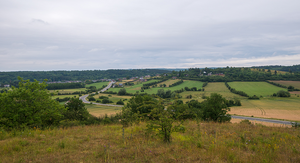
point(97, 85)
point(295, 84)
point(256, 88)
point(203, 142)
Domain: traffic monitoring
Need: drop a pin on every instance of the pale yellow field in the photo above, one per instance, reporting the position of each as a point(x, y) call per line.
point(169, 82)
point(100, 110)
point(278, 108)
point(233, 120)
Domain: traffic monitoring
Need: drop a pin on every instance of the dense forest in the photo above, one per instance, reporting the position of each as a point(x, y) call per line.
point(294, 68)
point(11, 77)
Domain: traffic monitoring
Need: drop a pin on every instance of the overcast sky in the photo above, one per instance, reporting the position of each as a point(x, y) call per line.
point(38, 35)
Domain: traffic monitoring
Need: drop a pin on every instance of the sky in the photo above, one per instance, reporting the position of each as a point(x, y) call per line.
point(46, 35)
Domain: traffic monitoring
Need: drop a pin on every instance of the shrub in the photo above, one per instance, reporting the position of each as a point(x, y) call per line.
point(120, 102)
point(76, 110)
point(283, 93)
point(30, 105)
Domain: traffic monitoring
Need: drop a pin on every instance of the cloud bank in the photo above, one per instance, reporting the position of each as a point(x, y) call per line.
point(98, 34)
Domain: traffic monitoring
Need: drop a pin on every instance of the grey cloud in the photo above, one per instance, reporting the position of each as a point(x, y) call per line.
point(135, 34)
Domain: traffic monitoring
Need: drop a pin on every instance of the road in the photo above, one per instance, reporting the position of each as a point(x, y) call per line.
point(83, 98)
point(262, 120)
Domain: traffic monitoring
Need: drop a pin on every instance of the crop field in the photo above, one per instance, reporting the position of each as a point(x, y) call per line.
point(275, 107)
point(295, 84)
point(100, 110)
point(256, 88)
point(68, 90)
point(97, 85)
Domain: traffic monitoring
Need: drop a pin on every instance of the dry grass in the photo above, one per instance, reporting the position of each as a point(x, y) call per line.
point(295, 84)
point(101, 110)
point(206, 142)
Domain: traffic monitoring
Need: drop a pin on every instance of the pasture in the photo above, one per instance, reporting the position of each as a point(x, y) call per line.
point(97, 85)
point(256, 88)
point(295, 84)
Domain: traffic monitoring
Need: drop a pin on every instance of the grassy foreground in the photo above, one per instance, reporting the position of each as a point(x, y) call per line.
point(201, 142)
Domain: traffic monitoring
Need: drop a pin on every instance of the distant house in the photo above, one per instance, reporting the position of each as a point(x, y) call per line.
point(174, 77)
point(220, 74)
point(120, 85)
point(147, 76)
point(6, 85)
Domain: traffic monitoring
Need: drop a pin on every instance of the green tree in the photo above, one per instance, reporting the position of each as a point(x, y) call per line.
point(215, 108)
point(30, 105)
point(122, 91)
point(76, 110)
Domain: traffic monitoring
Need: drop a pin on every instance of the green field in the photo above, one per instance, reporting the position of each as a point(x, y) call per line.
point(97, 85)
point(187, 83)
point(63, 96)
point(256, 88)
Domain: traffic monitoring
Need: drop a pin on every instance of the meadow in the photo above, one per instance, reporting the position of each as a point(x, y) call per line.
point(97, 85)
point(295, 84)
point(201, 142)
point(256, 88)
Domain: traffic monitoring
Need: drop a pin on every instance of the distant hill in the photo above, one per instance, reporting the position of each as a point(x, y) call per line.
point(294, 68)
point(11, 77)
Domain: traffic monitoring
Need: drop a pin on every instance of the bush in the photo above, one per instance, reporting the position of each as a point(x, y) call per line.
point(30, 105)
point(254, 97)
point(120, 102)
point(283, 93)
point(106, 101)
point(76, 110)
point(103, 97)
